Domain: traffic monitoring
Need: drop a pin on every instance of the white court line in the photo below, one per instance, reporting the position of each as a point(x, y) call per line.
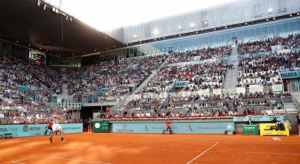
point(194, 140)
point(241, 141)
point(16, 162)
point(269, 153)
point(276, 138)
point(202, 153)
point(19, 160)
point(246, 142)
point(265, 153)
point(68, 159)
point(51, 157)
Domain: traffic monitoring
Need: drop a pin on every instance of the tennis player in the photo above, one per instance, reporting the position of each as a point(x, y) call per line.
point(56, 126)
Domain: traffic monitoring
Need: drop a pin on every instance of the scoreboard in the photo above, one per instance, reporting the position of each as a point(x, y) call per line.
point(37, 57)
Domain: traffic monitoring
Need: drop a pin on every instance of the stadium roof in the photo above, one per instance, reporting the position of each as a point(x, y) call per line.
point(35, 25)
point(112, 14)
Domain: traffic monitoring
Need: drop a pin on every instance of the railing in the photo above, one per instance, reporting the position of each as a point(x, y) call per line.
point(171, 118)
point(157, 118)
point(294, 87)
point(295, 101)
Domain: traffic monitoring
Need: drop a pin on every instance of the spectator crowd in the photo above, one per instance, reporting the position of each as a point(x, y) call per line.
point(26, 88)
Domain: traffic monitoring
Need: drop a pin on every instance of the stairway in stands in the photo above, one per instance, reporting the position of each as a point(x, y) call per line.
point(123, 101)
point(65, 90)
point(230, 82)
point(292, 109)
point(296, 99)
point(153, 73)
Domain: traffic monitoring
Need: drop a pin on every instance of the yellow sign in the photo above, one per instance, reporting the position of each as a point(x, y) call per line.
point(270, 129)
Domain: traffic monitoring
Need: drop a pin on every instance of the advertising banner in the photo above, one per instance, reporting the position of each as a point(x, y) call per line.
point(26, 130)
point(258, 118)
point(101, 126)
point(255, 88)
point(250, 129)
point(177, 127)
point(270, 130)
point(290, 74)
point(277, 88)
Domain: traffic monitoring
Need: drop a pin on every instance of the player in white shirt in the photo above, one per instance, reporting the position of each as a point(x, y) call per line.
point(56, 127)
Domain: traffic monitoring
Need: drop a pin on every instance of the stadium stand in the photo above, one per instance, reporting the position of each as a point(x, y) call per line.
point(200, 54)
point(180, 88)
point(179, 83)
point(111, 80)
point(25, 90)
point(143, 91)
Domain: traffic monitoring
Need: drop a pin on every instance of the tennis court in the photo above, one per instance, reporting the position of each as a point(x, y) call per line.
point(98, 148)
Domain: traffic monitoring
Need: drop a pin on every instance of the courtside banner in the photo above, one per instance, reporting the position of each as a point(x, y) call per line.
point(72, 128)
point(26, 130)
point(257, 118)
point(101, 126)
point(177, 127)
point(268, 130)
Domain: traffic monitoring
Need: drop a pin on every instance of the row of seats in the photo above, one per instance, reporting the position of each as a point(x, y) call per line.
point(290, 42)
point(189, 89)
